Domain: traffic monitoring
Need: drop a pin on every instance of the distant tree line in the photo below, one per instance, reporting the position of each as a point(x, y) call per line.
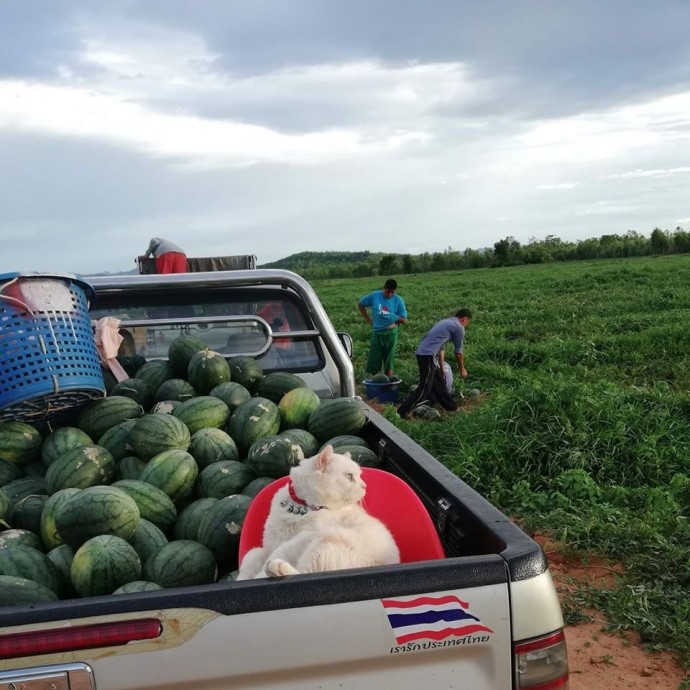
point(505, 252)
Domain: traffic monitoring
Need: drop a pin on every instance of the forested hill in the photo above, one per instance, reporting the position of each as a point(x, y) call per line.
point(314, 259)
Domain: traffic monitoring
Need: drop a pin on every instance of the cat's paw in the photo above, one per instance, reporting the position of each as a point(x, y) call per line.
point(277, 567)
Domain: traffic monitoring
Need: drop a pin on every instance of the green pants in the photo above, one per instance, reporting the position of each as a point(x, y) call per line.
point(382, 350)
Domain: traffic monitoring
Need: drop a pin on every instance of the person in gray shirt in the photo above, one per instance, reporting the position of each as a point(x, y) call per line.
point(169, 257)
point(431, 383)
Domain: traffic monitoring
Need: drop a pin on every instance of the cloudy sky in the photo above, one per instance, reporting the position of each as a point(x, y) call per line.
point(271, 128)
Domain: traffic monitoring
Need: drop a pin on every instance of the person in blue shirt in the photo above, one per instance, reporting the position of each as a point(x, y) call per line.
point(387, 313)
point(430, 359)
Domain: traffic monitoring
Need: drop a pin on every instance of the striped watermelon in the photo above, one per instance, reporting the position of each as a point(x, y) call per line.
point(5, 505)
point(253, 419)
point(207, 369)
point(361, 455)
point(154, 433)
point(25, 486)
point(273, 456)
point(60, 441)
point(166, 406)
point(100, 415)
point(254, 486)
point(20, 537)
point(187, 525)
point(130, 467)
point(173, 472)
point(61, 557)
point(48, 529)
point(155, 372)
point(180, 564)
point(220, 528)
point(202, 412)
point(20, 443)
point(296, 406)
point(138, 586)
point(102, 564)
point(9, 472)
point(19, 591)
point(147, 540)
point(153, 503)
point(23, 561)
point(79, 468)
point(336, 417)
point(26, 513)
point(175, 389)
point(224, 478)
point(276, 384)
point(181, 351)
point(96, 510)
point(344, 440)
point(117, 439)
point(233, 394)
point(212, 445)
point(136, 389)
point(247, 371)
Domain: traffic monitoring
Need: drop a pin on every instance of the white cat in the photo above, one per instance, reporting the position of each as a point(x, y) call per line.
point(315, 523)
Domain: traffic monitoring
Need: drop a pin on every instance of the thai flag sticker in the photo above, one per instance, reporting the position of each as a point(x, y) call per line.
point(431, 618)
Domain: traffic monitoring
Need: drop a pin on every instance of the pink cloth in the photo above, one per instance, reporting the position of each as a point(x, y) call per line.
point(108, 341)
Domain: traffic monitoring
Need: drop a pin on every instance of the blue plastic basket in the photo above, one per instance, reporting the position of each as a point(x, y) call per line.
point(49, 365)
point(383, 392)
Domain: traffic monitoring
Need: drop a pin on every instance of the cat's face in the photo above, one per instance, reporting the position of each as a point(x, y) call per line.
point(329, 479)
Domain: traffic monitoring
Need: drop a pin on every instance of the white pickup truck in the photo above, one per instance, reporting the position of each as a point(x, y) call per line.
point(307, 632)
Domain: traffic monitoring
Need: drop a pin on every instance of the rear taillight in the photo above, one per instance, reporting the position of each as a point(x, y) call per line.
point(542, 663)
point(67, 639)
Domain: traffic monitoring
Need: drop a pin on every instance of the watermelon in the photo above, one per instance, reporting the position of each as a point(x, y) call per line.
point(5, 505)
point(23, 561)
point(100, 415)
point(361, 455)
point(212, 445)
point(20, 443)
point(253, 419)
point(233, 394)
point(220, 528)
point(254, 486)
point(166, 406)
point(61, 557)
point(176, 390)
point(48, 529)
point(173, 472)
point(246, 371)
point(336, 417)
point(305, 440)
point(202, 412)
point(9, 472)
point(380, 378)
point(181, 351)
point(276, 384)
point(153, 503)
point(26, 513)
point(20, 537)
point(147, 539)
point(137, 586)
point(224, 478)
point(426, 412)
point(23, 487)
point(187, 525)
point(97, 510)
point(207, 369)
point(344, 440)
point(136, 389)
point(19, 591)
point(130, 467)
point(117, 439)
point(181, 563)
point(102, 564)
point(80, 467)
point(155, 432)
point(60, 441)
point(273, 456)
point(474, 393)
point(296, 406)
point(155, 372)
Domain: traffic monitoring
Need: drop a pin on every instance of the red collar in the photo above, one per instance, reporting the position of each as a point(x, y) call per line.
point(301, 506)
point(294, 496)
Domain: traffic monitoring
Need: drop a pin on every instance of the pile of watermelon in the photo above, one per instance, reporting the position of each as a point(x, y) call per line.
point(148, 487)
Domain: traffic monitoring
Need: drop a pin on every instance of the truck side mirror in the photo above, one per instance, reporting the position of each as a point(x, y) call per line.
point(346, 341)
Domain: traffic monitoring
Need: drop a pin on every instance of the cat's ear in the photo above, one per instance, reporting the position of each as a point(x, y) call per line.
point(323, 458)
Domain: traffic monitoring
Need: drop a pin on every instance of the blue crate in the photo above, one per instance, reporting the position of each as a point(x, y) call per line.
point(383, 392)
point(49, 365)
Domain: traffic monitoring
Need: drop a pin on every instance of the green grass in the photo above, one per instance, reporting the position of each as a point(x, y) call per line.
point(584, 426)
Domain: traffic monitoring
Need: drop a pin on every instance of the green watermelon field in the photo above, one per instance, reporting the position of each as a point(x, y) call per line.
point(582, 430)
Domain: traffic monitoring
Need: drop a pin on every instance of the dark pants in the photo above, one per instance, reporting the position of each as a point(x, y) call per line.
point(431, 387)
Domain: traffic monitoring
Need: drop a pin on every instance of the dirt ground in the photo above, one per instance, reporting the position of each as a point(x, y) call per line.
point(600, 660)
